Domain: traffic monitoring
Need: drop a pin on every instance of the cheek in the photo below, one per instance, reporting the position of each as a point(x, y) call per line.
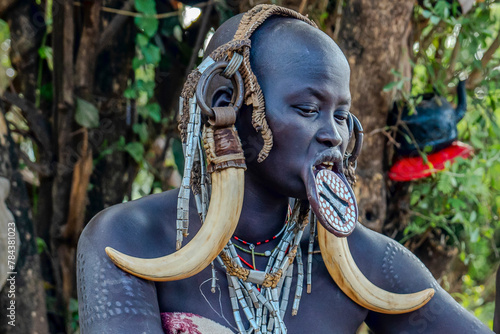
point(344, 134)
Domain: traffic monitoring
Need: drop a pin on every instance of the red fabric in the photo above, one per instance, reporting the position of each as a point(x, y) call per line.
point(414, 168)
point(179, 323)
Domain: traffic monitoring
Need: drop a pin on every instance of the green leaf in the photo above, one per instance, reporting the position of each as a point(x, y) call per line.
point(444, 185)
point(120, 143)
point(427, 148)
point(148, 25)
point(152, 54)
point(390, 86)
point(473, 217)
point(41, 245)
point(136, 62)
point(45, 52)
point(396, 73)
point(148, 87)
point(47, 91)
point(474, 236)
point(446, 12)
point(142, 40)
point(73, 305)
point(142, 130)
point(457, 204)
point(130, 93)
point(435, 19)
point(154, 112)
point(136, 151)
point(179, 156)
point(426, 13)
point(86, 114)
point(146, 6)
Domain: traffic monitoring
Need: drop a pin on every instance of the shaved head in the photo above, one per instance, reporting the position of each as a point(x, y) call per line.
point(289, 42)
point(280, 40)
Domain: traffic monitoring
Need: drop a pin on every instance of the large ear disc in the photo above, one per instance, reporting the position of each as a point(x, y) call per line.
point(344, 271)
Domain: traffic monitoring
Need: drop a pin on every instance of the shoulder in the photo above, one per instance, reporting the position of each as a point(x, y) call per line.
point(111, 300)
point(387, 263)
point(392, 267)
point(131, 226)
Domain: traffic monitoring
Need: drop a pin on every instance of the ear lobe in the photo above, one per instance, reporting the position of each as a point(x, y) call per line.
point(222, 97)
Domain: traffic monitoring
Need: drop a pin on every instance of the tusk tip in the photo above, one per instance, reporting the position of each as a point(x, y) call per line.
point(110, 251)
point(114, 255)
point(118, 258)
point(430, 293)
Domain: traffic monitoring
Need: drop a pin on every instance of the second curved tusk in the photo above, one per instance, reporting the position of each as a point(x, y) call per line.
point(355, 285)
point(221, 221)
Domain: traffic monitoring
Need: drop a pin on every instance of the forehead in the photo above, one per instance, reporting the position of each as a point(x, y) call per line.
point(292, 52)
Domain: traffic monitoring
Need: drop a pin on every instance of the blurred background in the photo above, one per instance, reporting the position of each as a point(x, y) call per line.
point(89, 97)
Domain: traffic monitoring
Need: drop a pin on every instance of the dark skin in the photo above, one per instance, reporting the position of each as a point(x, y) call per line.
point(307, 100)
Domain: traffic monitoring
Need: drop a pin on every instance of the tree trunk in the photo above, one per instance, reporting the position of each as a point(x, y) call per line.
point(30, 312)
point(113, 173)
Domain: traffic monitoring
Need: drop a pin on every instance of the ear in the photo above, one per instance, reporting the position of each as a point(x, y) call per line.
point(222, 96)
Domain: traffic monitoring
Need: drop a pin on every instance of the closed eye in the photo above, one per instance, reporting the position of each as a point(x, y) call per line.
point(341, 115)
point(306, 110)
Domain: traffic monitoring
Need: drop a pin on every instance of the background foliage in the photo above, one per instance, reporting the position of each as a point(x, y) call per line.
point(459, 207)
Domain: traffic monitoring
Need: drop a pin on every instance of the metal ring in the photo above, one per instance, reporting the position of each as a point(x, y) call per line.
point(203, 83)
point(358, 134)
point(234, 65)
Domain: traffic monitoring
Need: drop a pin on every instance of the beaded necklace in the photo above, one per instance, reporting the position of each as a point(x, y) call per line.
point(263, 296)
point(252, 246)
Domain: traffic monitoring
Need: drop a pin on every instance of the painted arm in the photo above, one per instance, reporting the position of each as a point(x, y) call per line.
point(394, 268)
point(110, 300)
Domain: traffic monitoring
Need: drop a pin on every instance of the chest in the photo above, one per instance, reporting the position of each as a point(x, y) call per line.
point(325, 310)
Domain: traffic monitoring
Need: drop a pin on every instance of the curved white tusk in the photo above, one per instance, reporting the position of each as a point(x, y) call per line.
point(355, 285)
point(220, 223)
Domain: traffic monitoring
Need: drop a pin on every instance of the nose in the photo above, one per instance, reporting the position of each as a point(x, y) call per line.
point(328, 134)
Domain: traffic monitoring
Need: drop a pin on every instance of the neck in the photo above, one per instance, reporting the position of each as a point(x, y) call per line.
point(263, 213)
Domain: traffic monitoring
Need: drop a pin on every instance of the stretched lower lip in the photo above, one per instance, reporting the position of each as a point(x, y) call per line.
point(328, 193)
point(336, 202)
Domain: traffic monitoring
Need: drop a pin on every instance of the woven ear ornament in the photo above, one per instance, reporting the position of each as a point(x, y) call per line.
point(226, 167)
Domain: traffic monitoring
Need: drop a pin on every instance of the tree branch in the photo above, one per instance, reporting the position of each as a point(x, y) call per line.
point(476, 75)
point(42, 169)
point(453, 59)
point(430, 36)
point(201, 37)
point(337, 19)
point(113, 27)
point(302, 7)
point(87, 51)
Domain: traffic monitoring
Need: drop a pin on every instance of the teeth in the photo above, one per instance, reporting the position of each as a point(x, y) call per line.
point(327, 165)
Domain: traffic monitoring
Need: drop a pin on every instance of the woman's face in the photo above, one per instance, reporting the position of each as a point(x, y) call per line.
point(305, 81)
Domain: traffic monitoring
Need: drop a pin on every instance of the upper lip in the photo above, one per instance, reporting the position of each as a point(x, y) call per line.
point(330, 156)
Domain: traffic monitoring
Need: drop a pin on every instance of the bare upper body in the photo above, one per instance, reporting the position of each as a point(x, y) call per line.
point(307, 100)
